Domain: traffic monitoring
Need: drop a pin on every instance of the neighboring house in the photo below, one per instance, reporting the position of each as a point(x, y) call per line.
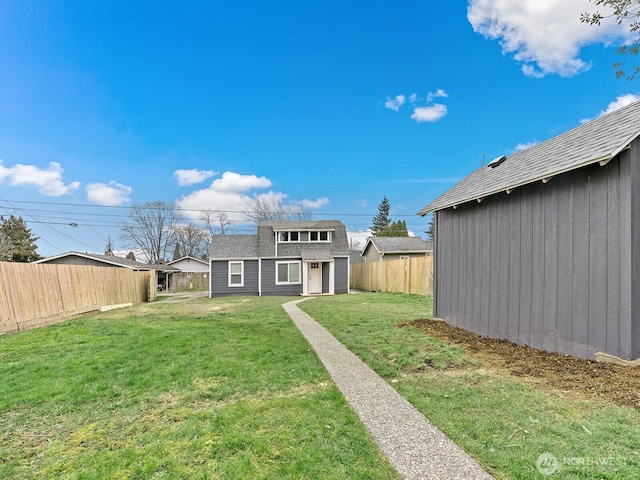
point(283, 258)
point(378, 249)
point(191, 273)
point(190, 265)
point(100, 260)
point(543, 247)
point(96, 260)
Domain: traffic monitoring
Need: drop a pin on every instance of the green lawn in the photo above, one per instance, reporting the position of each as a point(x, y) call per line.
point(228, 388)
point(223, 388)
point(505, 424)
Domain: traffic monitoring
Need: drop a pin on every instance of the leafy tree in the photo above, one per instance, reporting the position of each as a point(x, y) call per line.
point(151, 228)
point(381, 220)
point(269, 207)
point(395, 229)
point(24, 248)
point(6, 248)
point(623, 11)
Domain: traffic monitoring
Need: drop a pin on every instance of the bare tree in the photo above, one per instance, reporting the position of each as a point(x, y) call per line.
point(151, 228)
point(6, 248)
point(192, 240)
point(271, 208)
point(217, 222)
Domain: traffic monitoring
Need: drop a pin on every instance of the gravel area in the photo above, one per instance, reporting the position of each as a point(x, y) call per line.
point(414, 446)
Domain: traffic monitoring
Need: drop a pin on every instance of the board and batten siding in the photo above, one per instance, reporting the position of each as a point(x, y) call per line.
point(548, 265)
point(220, 279)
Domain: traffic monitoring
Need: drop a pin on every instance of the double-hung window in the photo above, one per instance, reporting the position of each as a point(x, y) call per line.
point(288, 273)
point(236, 274)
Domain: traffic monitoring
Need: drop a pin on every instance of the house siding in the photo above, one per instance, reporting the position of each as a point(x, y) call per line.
point(191, 266)
point(341, 269)
point(220, 279)
point(631, 253)
point(549, 265)
point(269, 286)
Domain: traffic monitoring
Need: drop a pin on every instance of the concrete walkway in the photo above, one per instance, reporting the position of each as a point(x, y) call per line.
point(415, 447)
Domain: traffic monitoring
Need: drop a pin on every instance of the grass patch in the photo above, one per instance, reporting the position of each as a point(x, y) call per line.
point(504, 423)
point(213, 388)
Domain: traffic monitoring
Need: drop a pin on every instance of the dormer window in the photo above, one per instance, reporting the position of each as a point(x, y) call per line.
point(321, 236)
point(304, 236)
point(288, 236)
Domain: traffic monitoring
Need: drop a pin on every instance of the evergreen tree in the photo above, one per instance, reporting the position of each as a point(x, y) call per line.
point(396, 229)
point(24, 248)
point(430, 230)
point(6, 248)
point(176, 252)
point(108, 249)
point(381, 220)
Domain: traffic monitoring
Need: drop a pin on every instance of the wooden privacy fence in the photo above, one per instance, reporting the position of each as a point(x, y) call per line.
point(33, 295)
point(406, 275)
point(184, 281)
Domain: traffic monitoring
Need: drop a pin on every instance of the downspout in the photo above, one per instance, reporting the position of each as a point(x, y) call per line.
point(259, 276)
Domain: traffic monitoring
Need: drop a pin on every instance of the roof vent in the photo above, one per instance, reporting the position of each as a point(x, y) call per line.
point(495, 162)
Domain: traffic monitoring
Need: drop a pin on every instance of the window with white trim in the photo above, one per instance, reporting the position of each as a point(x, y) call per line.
point(288, 237)
point(288, 273)
point(320, 236)
point(236, 273)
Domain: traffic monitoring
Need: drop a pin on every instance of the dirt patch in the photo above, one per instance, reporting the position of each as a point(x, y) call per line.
point(562, 374)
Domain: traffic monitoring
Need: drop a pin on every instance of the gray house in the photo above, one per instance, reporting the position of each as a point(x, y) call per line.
point(378, 249)
point(543, 247)
point(283, 258)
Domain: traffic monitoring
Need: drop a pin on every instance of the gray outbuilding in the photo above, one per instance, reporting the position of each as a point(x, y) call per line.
point(543, 247)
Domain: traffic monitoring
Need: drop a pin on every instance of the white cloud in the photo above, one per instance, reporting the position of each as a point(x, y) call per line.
point(313, 204)
point(621, 101)
point(395, 103)
point(231, 192)
point(413, 97)
point(439, 93)
point(192, 176)
point(524, 145)
point(235, 182)
point(48, 181)
point(544, 35)
point(109, 195)
point(431, 113)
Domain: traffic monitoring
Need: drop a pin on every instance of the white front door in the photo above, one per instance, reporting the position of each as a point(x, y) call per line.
point(315, 277)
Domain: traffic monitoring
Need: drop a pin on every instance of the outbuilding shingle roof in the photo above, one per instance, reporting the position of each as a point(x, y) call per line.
point(111, 260)
point(398, 245)
point(597, 141)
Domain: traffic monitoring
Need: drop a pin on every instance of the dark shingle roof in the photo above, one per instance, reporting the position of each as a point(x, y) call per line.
point(234, 246)
point(597, 141)
point(398, 244)
point(280, 225)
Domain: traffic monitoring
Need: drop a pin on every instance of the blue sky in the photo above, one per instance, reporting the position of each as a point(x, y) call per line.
point(330, 104)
